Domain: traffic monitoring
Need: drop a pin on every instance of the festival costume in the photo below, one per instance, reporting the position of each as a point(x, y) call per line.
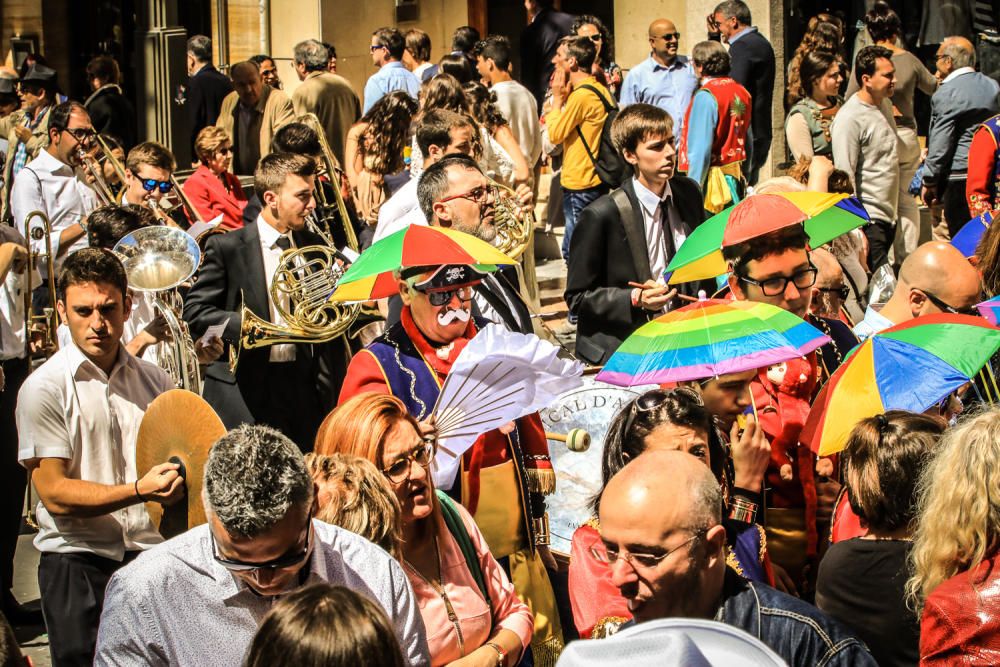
point(982, 189)
point(724, 183)
point(496, 469)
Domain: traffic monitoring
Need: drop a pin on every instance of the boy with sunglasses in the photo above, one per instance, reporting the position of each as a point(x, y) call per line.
point(148, 169)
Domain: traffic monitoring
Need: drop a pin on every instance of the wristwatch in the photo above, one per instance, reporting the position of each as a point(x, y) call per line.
point(501, 653)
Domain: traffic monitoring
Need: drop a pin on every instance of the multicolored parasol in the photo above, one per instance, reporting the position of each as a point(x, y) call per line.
point(826, 216)
point(990, 309)
point(710, 338)
point(967, 238)
point(911, 366)
point(371, 275)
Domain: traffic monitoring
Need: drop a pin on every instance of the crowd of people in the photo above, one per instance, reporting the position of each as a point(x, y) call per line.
point(330, 535)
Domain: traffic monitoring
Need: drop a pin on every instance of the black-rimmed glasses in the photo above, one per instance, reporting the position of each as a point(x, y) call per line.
point(969, 310)
point(843, 292)
point(84, 135)
point(443, 297)
point(776, 286)
point(281, 563)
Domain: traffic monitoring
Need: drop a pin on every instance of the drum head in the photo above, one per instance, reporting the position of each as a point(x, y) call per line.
point(180, 426)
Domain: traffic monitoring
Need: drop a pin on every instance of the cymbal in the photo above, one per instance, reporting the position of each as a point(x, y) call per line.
point(178, 426)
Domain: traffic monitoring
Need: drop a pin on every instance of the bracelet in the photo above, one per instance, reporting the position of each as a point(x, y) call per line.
point(137, 494)
point(741, 509)
point(501, 653)
point(540, 527)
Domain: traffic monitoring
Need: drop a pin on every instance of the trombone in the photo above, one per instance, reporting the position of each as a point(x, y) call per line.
point(333, 171)
point(48, 320)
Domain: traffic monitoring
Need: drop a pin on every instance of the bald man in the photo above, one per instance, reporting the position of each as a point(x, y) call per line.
point(662, 532)
point(251, 114)
point(936, 278)
point(665, 79)
point(965, 99)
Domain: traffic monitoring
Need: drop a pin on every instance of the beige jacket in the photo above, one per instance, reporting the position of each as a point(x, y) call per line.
point(39, 141)
point(273, 104)
point(334, 102)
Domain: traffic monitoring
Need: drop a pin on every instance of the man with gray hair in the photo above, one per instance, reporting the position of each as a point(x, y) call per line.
point(207, 86)
point(964, 99)
point(199, 597)
point(325, 94)
point(668, 559)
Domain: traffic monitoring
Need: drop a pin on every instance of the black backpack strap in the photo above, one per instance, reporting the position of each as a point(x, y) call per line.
point(456, 527)
point(607, 105)
point(608, 108)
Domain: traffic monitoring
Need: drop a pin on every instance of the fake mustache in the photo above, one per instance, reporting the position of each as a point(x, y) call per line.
point(448, 316)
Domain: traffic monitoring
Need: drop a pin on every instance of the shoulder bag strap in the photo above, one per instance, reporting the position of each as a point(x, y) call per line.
point(456, 527)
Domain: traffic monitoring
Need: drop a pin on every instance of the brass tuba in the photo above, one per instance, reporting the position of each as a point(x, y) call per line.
point(158, 259)
point(514, 222)
point(48, 320)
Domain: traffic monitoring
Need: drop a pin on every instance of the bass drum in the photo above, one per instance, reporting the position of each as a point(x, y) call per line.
point(578, 474)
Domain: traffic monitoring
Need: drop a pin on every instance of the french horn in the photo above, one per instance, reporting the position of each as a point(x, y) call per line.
point(157, 260)
point(514, 222)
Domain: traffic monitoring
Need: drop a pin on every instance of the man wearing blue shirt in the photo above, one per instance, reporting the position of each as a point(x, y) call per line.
point(387, 54)
point(665, 79)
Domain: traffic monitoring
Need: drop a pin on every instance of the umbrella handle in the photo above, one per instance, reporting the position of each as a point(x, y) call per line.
point(577, 440)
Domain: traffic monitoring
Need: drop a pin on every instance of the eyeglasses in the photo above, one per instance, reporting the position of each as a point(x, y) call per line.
point(602, 554)
point(150, 184)
point(280, 563)
point(225, 150)
point(400, 469)
point(969, 310)
point(777, 286)
point(669, 36)
point(375, 47)
point(84, 135)
point(651, 400)
point(443, 297)
point(595, 38)
point(480, 195)
point(842, 292)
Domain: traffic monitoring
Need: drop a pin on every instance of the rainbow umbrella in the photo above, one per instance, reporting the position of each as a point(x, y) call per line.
point(990, 309)
point(371, 274)
point(710, 338)
point(825, 217)
point(967, 238)
point(911, 366)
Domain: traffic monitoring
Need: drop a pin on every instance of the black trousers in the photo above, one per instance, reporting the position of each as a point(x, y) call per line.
point(880, 235)
point(72, 588)
point(13, 477)
point(956, 206)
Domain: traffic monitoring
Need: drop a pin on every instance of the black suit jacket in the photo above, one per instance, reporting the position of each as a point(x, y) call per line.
point(753, 67)
point(293, 398)
point(539, 41)
point(607, 253)
point(112, 113)
point(205, 92)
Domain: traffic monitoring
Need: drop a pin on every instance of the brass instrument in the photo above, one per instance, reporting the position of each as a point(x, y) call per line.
point(158, 259)
point(514, 222)
point(48, 320)
point(110, 157)
point(333, 171)
point(100, 185)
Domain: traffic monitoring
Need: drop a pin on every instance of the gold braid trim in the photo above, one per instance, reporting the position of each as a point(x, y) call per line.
point(546, 653)
point(541, 481)
point(733, 563)
point(607, 626)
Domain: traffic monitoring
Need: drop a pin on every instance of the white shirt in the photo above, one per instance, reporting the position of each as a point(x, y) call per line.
point(419, 70)
point(519, 107)
point(399, 212)
point(957, 73)
point(59, 193)
point(271, 252)
point(69, 409)
point(653, 208)
point(12, 291)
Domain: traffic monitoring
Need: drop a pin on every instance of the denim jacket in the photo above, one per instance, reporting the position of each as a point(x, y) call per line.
point(801, 634)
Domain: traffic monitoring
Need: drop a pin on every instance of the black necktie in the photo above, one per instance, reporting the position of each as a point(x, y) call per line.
point(283, 242)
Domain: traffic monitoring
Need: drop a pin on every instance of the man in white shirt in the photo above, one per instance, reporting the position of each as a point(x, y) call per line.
point(440, 132)
point(198, 598)
point(78, 417)
point(51, 184)
point(287, 386)
point(515, 102)
point(148, 169)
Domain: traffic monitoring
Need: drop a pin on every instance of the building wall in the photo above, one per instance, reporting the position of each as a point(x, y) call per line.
point(20, 17)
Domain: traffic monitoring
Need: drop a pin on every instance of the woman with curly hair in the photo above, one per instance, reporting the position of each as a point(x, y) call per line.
point(483, 105)
point(955, 563)
point(375, 152)
point(820, 36)
point(605, 70)
point(814, 105)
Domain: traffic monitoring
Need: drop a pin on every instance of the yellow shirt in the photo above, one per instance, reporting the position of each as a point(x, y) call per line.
point(582, 109)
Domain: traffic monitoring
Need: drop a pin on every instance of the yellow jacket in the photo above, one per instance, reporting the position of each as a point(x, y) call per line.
point(582, 109)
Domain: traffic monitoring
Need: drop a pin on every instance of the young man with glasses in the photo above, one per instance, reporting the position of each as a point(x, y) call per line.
point(665, 79)
point(668, 559)
point(200, 596)
point(148, 169)
point(505, 475)
point(935, 278)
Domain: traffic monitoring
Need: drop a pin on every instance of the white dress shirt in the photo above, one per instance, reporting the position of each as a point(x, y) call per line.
point(53, 187)
point(399, 212)
point(12, 291)
point(69, 409)
point(653, 208)
point(271, 252)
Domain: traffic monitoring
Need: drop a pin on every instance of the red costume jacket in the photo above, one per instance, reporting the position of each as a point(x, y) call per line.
point(961, 620)
point(210, 196)
point(982, 188)
point(729, 143)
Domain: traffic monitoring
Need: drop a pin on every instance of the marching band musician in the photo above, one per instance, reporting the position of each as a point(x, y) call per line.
point(410, 361)
point(51, 183)
point(288, 386)
point(148, 169)
point(78, 417)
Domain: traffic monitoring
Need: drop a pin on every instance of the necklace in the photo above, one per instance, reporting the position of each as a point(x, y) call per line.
point(438, 587)
point(836, 350)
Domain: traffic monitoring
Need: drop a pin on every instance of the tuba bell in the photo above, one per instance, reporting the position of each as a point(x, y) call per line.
point(514, 222)
point(157, 260)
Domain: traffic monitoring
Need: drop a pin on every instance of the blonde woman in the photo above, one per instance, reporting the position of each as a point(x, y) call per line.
point(955, 562)
point(212, 188)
